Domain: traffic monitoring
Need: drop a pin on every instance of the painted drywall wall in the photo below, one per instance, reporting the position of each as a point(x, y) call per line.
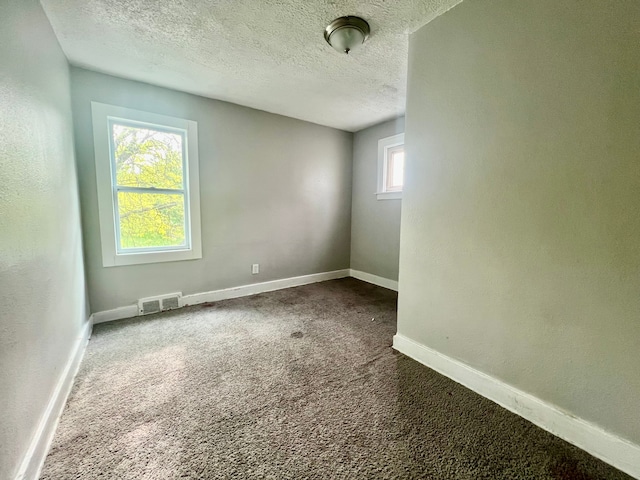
point(375, 224)
point(274, 191)
point(520, 251)
point(42, 290)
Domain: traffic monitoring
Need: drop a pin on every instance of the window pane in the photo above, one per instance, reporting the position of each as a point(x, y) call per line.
point(395, 170)
point(147, 158)
point(151, 220)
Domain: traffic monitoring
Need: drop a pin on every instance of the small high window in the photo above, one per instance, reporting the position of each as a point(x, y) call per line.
point(390, 167)
point(146, 172)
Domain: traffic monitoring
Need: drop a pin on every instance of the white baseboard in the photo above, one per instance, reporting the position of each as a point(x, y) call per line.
point(604, 445)
point(226, 293)
point(375, 279)
point(130, 311)
point(39, 448)
point(254, 288)
point(116, 314)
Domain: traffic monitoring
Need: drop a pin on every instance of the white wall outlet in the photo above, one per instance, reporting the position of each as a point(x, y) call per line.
point(255, 268)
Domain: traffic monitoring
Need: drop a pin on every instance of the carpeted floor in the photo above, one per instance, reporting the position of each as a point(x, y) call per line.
point(295, 384)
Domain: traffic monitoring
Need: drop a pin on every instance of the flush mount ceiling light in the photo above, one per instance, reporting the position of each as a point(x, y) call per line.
point(346, 33)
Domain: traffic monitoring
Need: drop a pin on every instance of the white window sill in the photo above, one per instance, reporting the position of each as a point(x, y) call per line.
point(389, 196)
point(151, 257)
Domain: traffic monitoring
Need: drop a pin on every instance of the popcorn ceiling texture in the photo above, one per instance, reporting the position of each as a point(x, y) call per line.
point(270, 55)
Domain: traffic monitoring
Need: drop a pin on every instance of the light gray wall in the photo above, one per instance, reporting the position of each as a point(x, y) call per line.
point(42, 290)
point(375, 224)
point(520, 250)
point(274, 191)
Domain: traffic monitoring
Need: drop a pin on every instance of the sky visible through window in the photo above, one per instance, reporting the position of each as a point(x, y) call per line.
point(395, 170)
point(397, 175)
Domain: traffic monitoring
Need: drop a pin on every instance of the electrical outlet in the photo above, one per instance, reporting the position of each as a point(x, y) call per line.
point(255, 268)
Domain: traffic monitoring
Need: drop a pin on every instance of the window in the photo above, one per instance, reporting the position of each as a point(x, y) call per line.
point(390, 167)
point(147, 179)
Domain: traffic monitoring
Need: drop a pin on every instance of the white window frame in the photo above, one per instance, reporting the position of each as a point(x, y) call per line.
point(385, 145)
point(102, 115)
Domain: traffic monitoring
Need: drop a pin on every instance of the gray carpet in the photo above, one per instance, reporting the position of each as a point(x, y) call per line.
point(294, 384)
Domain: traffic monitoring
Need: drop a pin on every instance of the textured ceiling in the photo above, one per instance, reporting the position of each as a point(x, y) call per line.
point(266, 54)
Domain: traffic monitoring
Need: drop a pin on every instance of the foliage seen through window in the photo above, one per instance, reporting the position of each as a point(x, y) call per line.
point(149, 180)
